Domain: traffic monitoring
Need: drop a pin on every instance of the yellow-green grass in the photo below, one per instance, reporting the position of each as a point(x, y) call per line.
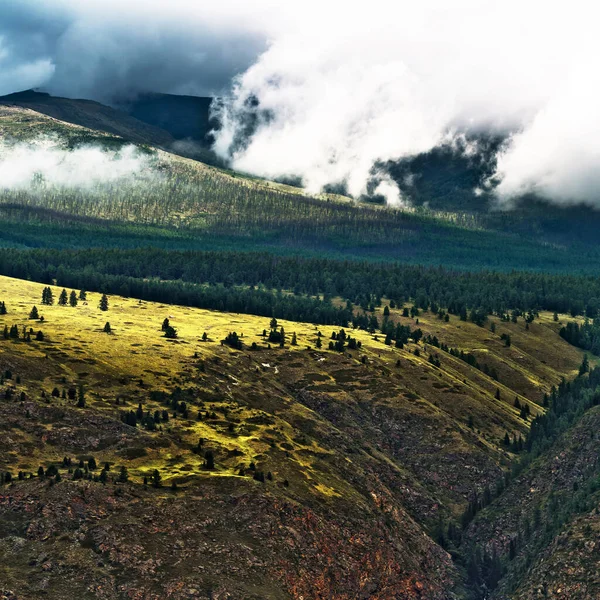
point(256, 390)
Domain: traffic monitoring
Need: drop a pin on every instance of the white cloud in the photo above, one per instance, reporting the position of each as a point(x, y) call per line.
point(344, 84)
point(42, 163)
point(343, 89)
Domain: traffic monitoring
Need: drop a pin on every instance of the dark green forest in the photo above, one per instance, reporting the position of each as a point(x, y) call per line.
point(299, 288)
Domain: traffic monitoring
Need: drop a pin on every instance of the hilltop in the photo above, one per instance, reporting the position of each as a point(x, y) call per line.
point(91, 115)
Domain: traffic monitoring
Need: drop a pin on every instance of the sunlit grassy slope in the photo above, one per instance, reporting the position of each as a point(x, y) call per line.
point(372, 444)
point(258, 390)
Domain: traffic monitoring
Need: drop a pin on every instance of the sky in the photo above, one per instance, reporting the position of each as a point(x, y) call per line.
point(339, 86)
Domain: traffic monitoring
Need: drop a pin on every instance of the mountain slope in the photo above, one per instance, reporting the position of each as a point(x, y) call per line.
point(92, 115)
point(203, 207)
point(366, 454)
point(184, 117)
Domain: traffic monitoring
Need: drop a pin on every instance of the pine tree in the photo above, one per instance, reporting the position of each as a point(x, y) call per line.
point(63, 298)
point(294, 340)
point(3, 310)
point(81, 397)
point(585, 365)
point(103, 303)
point(170, 332)
point(73, 299)
point(123, 474)
point(33, 314)
point(156, 479)
point(209, 460)
point(47, 296)
point(107, 328)
point(165, 324)
point(82, 295)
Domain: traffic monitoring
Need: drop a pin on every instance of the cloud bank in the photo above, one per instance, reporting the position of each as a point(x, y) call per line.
point(45, 163)
point(326, 90)
point(338, 93)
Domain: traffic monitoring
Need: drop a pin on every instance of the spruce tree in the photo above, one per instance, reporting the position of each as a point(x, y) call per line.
point(33, 314)
point(156, 479)
point(209, 460)
point(170, 332)
point(123, 474)
point(63, 298)
point(82, 295)
point(103, 303)
point(585, 365)
point(73, 299)
point(47, 296)
point(81, 397)
point(107, 328)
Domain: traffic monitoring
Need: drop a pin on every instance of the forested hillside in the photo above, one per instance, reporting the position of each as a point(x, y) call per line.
point(180, 203)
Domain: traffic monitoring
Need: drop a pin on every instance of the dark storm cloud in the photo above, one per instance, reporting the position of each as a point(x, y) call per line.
point(110, 51)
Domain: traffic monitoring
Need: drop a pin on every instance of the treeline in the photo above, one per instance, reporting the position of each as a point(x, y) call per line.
point(148, 273)
point(586, 335)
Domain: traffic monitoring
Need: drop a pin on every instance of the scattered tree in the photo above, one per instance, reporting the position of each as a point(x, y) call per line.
point(103, 305)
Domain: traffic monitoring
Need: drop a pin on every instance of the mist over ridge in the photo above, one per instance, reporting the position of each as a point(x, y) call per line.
point(326, 94)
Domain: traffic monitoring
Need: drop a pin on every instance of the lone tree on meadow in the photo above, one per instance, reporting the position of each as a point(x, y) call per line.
point(73, 299)
point(3, 310)
point(170, 332)
point(63, 298)
point(209, 460)
point(165, 324)
point(82, 295)
point(47, 296)
point(103, 302)
point(34, 313)
point(107, 328)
